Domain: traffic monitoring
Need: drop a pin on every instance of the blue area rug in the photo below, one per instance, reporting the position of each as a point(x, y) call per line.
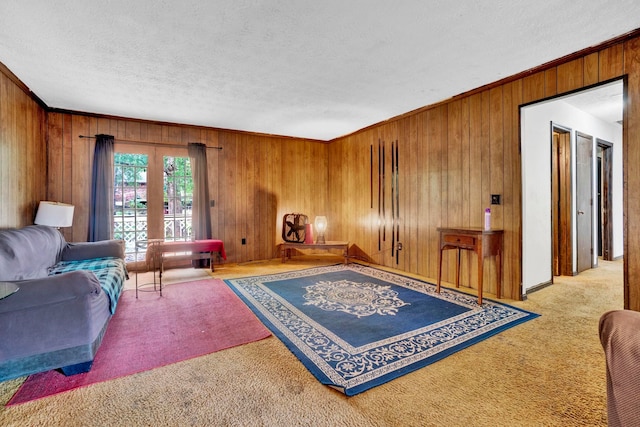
point(355, 327)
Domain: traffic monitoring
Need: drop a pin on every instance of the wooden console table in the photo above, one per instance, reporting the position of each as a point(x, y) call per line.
point(285, 248)
point(483, 242)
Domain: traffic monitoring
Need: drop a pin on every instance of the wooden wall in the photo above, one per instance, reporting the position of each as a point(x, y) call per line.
point(260, 180)
point(454, 155)
point(631, 175)
point(254, 180)
point(23, 162)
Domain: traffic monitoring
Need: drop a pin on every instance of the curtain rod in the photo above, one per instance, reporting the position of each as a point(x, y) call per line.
point(129, 141)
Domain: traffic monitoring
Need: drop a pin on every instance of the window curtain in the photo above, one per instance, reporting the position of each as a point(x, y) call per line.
point(101, 207)
point(200, 213)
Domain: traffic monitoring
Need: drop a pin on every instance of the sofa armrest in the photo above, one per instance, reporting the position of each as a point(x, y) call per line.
point(88, 250)
point(51, 290)
point(51, 322)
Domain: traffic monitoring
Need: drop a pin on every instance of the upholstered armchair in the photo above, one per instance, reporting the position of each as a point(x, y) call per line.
point(620, 338)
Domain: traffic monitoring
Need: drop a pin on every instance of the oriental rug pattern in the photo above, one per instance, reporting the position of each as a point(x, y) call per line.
point(355, 327)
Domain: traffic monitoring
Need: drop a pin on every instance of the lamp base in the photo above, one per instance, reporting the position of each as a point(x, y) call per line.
point(320, 240)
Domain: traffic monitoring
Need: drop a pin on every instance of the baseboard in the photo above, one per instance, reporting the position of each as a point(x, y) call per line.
point(536, 288)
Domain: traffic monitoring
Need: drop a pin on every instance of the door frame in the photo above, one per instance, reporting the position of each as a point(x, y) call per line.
point(591, 207)
point(536, 250)
point(561, 168)
point(606, 199)
point(155, 183)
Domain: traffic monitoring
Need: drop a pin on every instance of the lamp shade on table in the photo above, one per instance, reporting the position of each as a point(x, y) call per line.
point(54, 214)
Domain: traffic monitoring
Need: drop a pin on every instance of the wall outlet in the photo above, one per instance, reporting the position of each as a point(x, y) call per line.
point(244, 240)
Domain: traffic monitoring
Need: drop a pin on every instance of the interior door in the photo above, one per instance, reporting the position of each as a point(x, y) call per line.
point(561, 217)
point(605, 225)
point(584, 201)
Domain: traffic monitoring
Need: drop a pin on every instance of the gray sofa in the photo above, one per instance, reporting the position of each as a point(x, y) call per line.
point(67, 294)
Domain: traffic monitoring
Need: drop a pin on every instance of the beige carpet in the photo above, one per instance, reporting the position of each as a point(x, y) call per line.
point(547, 372)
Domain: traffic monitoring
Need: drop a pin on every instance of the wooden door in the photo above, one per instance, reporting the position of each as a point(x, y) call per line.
point(606, 200)
point(584, 201)
point(561, 218)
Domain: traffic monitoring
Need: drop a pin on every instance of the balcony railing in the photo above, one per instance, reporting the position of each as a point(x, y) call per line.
point(133, 230)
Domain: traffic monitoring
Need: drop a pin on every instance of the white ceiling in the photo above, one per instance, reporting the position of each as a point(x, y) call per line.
point(604, 102)
point(314, 69)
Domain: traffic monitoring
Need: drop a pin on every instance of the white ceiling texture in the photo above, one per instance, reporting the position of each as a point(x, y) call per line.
point(311, 69)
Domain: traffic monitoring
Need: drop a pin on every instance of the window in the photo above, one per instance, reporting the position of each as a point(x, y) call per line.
point(178, 199)
point(130, 200)
point(151, 200)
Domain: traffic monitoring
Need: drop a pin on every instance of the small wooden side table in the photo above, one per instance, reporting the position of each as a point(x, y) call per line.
point(285, 248)
point(483, 242)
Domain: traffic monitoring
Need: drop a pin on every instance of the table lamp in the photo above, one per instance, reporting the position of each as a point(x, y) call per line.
point(54, 214)
point(321, 227)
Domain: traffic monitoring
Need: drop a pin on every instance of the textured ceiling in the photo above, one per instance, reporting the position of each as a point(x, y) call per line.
point(604, 102)
point(317, 69)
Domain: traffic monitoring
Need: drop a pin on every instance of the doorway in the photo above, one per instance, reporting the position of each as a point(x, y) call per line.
point(584, 203)
point(562, 196)
point(549, 231)
point(153, 196)
point(604, 199)
point(561, 221)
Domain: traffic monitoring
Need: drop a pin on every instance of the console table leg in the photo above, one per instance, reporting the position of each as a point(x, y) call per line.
point(480, 276)
point(458, 269)
point(439, 272)
point(499, 267)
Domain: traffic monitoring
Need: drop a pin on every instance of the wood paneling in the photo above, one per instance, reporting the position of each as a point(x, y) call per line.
point(459, 152)
point(550, 82)
point(610, 62)
point(453, 155)
point(254, 180)
point(591, 69)
point(631, 160)
point(23, 154)
point(570, 76)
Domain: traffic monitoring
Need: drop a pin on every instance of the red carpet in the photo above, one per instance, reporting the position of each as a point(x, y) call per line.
point(190, 319)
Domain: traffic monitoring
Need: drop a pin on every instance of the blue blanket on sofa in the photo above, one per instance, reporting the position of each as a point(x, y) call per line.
point(111, 273)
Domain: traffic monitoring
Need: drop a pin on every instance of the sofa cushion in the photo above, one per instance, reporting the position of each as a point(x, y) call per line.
point(88, 250)
point(29, 252)
point(111, 273)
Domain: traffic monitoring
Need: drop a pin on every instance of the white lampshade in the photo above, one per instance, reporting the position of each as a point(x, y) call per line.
point(54, 214)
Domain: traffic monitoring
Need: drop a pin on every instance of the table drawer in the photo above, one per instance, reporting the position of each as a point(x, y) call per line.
point(457, 239)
